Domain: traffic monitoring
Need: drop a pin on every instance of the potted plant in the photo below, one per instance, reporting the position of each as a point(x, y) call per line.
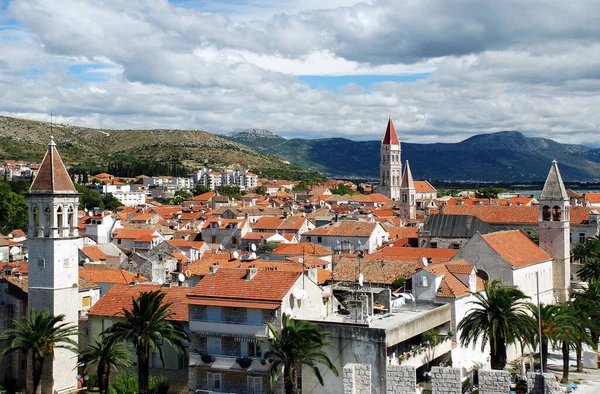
point(208, 358)
point(244, 362)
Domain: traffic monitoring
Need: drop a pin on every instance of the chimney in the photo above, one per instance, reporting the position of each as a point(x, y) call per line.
point(312, 274)
point(213, 268)
point(285, 214)
point(250, 272)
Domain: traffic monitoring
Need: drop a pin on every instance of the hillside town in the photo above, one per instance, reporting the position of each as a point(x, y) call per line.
point(392, 275)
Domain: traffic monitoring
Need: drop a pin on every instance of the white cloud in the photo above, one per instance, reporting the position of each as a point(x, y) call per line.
point(495, 65)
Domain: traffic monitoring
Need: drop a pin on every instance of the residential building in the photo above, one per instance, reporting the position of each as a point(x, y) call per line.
point(227, 233)
point(229, 310)
point(349, 236)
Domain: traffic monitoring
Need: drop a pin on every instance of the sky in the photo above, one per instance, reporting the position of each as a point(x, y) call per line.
point(444, 70)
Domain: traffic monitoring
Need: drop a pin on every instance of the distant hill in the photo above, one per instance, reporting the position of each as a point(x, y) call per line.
point(27, 139)
point(502, 156)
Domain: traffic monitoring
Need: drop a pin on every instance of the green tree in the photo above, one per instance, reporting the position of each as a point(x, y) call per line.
point(146, 326)
point(343, 189)
point(39, 333)
point(499, 317)
point(588, 256)
point(547, 314)
point(13, 209)
point(534, 236)
point(89, 198)
point(111, 203)
point(231, 191)
point(261, 190)
point(107, 355)
point(200, 189)
point(267, 247)
point(297, 343)
point(490, 192)
point(180, 196)
point(587, 298)
point(300, 187)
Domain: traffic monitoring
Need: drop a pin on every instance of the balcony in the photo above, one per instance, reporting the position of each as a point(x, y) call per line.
point(248, 330)
point(227, 363)
point(424, 355)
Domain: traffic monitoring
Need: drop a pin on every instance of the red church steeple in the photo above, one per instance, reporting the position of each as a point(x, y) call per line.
point(390, 134)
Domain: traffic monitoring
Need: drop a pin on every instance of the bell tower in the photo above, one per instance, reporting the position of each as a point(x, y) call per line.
point(554, 224)
point(390, 164)
point(53, 259)
point(408, 203)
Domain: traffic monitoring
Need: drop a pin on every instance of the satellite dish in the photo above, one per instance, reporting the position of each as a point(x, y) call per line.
point(425, 263)
point(220, 247)
point(253, 255)
point(301, 260)
point(236, 255)
point(181, 277)
point(253, 247)
point(299, 294)
point(361, 279)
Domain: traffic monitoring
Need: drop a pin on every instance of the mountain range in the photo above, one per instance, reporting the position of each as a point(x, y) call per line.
point(506, 156)
point(502, 156)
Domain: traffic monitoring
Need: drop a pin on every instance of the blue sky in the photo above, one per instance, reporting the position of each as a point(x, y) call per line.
point(307, 67)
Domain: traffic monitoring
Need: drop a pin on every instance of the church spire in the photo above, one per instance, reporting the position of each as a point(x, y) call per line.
point(390, 134)
point(52, 175)
point(407, 178)
point(554, 188)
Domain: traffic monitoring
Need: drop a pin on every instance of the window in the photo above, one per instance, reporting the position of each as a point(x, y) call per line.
point(424, 281)
point(234, 240)
point(307, 239)
point(213, 345)
point(434, 245)
point(119, 241)
point(214, 239)
point(86, 302)
point(456, 246)
point(581, 238)
point(213, 313)
point(254, 385)
point(254, 316)
point(251, 349)
point(106, 323)
point(319, 239)
point(214, 381)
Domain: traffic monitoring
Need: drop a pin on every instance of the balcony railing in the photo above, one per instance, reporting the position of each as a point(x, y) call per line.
point(227, 363)
point(423, 355)
point(251, 330)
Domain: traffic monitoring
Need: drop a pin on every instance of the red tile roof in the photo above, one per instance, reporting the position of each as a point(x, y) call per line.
point(307, 248)
point(516, 248)
point(120, 296)
point(510, 214)
point(424, 187)
point(99, 275)
point(52, 175)
point(230, 284)
point(94, 253)
point(414, 254)
point(344, 229)
point(390, 134)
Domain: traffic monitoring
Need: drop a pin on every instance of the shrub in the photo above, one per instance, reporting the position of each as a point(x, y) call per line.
point(208, 359)
point(159, 384)
point(126, 383)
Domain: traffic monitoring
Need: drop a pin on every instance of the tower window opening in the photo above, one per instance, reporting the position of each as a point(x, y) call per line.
point(556, 213)
point(546, 213)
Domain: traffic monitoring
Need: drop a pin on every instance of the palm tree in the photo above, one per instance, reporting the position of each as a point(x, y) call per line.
point(40, 333)
point(297, 343)
point(106, 354)
point(500, 316)
point(547, 313)
point(146, 326)
point(588, 256)
point(587, 298)
point(571, 332)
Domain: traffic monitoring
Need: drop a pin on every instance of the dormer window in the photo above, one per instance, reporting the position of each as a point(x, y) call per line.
point(424, 281)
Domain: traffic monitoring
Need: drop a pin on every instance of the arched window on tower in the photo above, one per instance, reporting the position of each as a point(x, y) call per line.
point(70, 223)
point(556, 213)
point(546, 213)
point(403, 197)
point(47, 221)
point(59, 219)
point(36, 221)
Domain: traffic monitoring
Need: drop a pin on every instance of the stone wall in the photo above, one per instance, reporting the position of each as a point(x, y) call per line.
point(357, 379)
point(401, 380)
point(493, 382)
point(446, 380)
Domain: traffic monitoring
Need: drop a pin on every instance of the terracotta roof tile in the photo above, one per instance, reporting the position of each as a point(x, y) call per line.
point(414, 254)
point(235, 304)
point(99, 275)
point(94, 253)
point(516, 248)
point(511, 214)
point(266, 285)
point(373, 270)
point(424, 187)
point(52, 175)
point(344, 229)
point(307, 248)
point(120, 296)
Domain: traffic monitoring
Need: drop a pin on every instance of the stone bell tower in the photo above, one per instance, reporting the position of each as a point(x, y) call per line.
point(390, 166)
point(555, 227)
point(53, 260)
